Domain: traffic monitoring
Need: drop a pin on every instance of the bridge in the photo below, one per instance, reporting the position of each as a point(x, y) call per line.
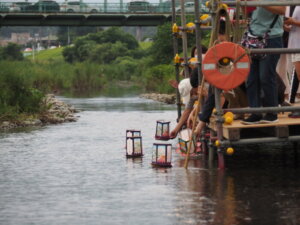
point(77, 19)
point(76, 13)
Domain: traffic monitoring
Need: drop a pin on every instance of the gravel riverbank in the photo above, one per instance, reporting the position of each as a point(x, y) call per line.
point(56, 112)
point(165, 98)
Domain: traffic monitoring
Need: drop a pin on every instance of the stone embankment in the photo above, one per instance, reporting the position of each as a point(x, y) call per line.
point(56, 112)
point(165, 98)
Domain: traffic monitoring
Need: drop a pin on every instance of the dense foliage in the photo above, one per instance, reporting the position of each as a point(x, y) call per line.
point(102, 47)
point(103, 61)
point(11, 52)
point(17, 93)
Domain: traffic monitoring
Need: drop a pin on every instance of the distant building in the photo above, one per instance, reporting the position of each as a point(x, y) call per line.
point(25, 39)
point(20, 38)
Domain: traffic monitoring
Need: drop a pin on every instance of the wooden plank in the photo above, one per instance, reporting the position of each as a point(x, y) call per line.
point(283, 120)
point(281, 128)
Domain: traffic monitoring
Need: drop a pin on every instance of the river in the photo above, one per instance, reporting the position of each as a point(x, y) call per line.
point(77, 173)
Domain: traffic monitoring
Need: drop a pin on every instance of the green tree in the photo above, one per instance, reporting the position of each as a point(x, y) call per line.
point(11, 52)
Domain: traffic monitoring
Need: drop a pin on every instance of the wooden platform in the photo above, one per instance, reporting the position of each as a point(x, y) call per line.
point(285, 127)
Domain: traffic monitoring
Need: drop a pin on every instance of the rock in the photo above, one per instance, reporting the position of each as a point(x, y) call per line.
point(56, 112)
point(165, 98)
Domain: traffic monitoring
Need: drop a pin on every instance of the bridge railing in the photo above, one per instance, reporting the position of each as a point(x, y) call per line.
point(80, 7)
point(84, 7)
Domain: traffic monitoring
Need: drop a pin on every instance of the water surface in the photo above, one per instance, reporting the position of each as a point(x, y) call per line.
point(77, 173)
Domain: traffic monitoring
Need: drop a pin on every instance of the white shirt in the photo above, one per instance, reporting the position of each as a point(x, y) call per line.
point(294, 36)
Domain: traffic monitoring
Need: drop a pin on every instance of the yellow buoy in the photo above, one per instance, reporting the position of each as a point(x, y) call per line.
point(228, 117)
point(229, 151)
point(176, 59)
point(224, 6)
point(190, 27)
point(228, 120)
point(214, 111)
point(204, 17)
point(228, 114)
point(225, 60)
point(207, 4)
point(175, 28)
point(217, 143)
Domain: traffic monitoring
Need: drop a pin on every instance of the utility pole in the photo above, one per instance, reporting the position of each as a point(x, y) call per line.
point(139, 33)
point(69, 41)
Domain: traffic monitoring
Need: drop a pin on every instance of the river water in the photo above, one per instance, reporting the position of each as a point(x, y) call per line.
point(77, 173)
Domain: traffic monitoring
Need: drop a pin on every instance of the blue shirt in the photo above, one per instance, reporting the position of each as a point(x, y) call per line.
point(262, 20)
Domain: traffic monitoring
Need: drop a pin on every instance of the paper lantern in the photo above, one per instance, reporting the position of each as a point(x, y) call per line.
point(184, 138)
point(134, 147)
point(162, 130)
point(132, 133)
point(162, 155)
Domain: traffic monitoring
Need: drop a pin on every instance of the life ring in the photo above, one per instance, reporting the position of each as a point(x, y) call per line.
point(226, 65)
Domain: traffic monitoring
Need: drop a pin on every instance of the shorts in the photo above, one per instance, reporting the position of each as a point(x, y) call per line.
point(296, 57)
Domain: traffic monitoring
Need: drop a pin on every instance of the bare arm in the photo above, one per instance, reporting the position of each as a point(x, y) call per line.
point(181, 122)
point(291, 21)
point(280, 10)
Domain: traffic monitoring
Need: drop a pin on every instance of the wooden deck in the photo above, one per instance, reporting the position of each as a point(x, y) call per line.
point(285, 127)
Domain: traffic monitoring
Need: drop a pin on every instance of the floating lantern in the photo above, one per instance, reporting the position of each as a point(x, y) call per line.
point(162, 154)
point(184, 138)
point(162, 130)
point(134, 147)
point(132, 133)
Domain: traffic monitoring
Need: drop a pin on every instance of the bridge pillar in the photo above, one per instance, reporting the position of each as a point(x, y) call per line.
point(138, 33)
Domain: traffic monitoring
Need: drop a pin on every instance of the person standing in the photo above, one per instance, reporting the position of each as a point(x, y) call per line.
point(261, 82)
point(294, 42)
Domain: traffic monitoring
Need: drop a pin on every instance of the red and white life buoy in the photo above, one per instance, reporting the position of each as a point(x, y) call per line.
point(226, 65)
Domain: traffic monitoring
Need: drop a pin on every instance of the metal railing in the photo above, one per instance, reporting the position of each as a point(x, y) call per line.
point(86, 7)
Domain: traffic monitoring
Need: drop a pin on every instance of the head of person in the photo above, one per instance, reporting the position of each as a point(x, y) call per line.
point(187, 88)
point(222, 31)
point(194, 51)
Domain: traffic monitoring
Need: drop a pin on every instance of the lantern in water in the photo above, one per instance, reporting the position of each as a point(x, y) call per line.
point(134, 146)
point(162, 130)
point(132, 133)
point(184, 139)
point(162, 154)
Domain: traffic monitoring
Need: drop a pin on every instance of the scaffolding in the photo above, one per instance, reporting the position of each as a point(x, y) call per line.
point(217, 142)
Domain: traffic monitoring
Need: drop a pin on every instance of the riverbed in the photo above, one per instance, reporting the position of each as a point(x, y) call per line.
point(77, 173)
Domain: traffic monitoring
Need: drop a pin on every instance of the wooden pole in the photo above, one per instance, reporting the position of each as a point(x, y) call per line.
point(200, 76)
point(184, 39)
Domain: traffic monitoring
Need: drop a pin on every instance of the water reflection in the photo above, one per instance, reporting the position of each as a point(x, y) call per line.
point(77, 173)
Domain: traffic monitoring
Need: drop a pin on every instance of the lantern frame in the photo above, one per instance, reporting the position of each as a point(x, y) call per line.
point(155, 155)
point(183, 146)
point(134, 154)
point(132, 133)
point(160, 130)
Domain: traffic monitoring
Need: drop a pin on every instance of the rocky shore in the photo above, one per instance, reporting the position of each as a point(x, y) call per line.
point(56, 112)
point(165, 98)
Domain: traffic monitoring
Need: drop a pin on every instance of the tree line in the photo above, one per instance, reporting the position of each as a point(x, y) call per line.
point(93, 63)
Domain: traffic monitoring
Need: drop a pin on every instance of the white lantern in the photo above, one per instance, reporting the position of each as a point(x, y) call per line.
point(132, 133)
point(162, 130)
point(134, 147)
point(162, 155)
